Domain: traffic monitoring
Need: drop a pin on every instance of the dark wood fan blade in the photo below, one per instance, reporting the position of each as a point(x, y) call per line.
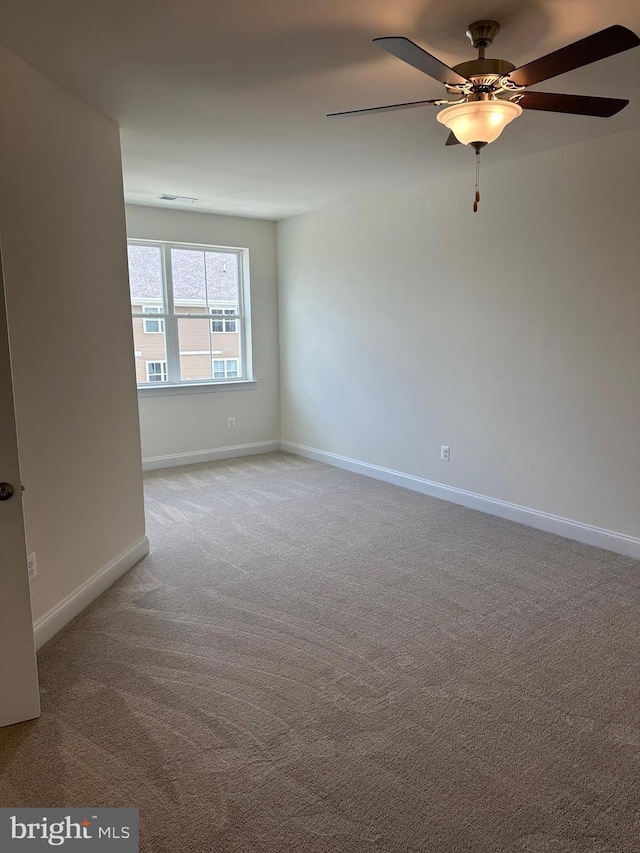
point(387, 109)
point(607, 42)
point(409, 52)
point(452, 139)
point(582, 105)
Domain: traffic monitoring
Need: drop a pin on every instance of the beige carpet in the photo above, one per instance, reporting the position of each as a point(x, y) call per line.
point(313, 661)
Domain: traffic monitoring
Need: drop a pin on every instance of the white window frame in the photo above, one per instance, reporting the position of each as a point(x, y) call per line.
point(153, 310)
point(170, 318)
point(163, 371)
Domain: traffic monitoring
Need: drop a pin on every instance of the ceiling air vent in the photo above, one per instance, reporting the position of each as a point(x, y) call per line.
point(180, 198)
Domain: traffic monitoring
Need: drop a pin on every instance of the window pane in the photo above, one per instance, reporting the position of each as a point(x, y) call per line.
point(148, 347)
point(189, 281)
point(225, 339)
point(205, 354)
point(194, 339)
point(225, 342)
point(222, 277)
point(145, 277)
point(203, 279)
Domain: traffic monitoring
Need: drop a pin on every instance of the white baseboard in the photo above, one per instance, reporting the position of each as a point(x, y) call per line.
point(48, 625)
point(192, 458)
point(621, 543)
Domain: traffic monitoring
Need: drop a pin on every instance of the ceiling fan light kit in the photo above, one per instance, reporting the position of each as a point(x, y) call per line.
point(491, 93)
point(479, 121)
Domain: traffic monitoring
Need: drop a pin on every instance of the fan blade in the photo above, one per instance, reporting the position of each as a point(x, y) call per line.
point(607, 42)
point(581, 105)
point(387, 109)
point(409, 52)
point(452, 139)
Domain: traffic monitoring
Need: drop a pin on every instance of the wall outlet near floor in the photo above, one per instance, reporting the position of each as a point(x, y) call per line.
point(32, 566)
point(445, 453)
point(232, 423)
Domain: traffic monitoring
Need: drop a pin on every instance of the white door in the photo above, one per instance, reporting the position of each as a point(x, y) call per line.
point(19, 695)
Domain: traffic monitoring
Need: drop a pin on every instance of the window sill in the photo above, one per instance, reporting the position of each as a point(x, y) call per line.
point(195, 388)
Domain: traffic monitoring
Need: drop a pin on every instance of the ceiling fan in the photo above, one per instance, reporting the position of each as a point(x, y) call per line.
point(489, 93)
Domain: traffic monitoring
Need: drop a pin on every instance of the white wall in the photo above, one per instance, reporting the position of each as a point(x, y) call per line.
point(64, 248)
point(512, 335)
point(198, 423)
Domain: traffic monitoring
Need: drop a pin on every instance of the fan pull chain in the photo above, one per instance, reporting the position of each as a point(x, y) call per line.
point(477, 196)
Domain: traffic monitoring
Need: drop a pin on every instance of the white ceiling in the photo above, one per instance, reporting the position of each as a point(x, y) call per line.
point(225, 99)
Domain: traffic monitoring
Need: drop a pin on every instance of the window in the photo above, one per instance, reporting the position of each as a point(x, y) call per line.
point(225, 368)
point(181, 286)
point(155, 325)
point(156, 371)
point(223, 325)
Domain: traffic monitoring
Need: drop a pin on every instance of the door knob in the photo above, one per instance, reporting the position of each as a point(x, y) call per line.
point(6, 491)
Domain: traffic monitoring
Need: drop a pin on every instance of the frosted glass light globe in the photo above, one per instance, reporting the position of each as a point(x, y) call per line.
point(479, 121)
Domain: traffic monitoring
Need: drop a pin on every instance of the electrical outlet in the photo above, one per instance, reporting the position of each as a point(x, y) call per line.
point(445, 453)
point(32, 566)
point(232, 423)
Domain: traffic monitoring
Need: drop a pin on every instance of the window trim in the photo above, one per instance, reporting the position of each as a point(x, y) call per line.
point(170, 318)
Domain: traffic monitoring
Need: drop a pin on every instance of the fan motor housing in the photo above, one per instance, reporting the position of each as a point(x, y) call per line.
point(484, 72)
